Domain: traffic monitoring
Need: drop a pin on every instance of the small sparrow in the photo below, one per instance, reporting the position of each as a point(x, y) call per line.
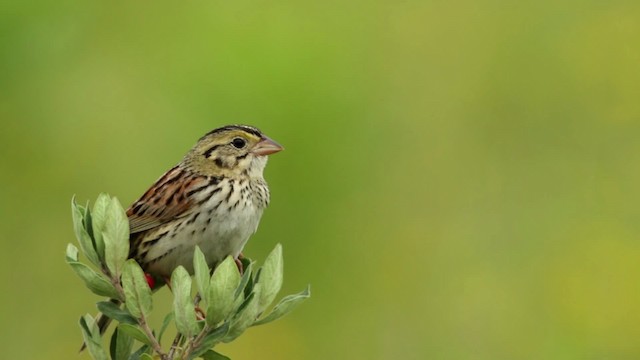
point(213, 199)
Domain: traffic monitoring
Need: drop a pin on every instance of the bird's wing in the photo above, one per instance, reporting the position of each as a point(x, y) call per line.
point(168, 199)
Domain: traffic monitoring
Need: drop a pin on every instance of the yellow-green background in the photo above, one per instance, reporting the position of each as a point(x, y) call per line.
point(461, 180)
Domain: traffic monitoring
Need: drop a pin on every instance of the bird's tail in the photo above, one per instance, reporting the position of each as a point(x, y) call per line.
point(102, 321)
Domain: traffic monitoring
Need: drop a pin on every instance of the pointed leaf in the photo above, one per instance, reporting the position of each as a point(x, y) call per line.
point(98, 221)
point(135, 332)
point(246, 316)
point(121, 345)
point(165, 323)
point(285, 306)
point(212, 355)
point(94, 281)
point(270, 278)
point(116, 237)
point(222, 289)
point(183, 309)
point(85, 241)
point(92, 339)
point(246, 282)
point(136, 290)
point(201, 274)
point(114, 312)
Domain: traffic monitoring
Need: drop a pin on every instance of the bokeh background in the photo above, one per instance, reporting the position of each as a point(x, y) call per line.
point(461, 179)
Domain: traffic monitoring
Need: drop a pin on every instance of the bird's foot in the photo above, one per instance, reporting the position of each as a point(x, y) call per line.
point(200, 315)
point(238, 261)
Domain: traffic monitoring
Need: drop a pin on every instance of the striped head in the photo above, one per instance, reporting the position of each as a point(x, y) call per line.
point(232, 150)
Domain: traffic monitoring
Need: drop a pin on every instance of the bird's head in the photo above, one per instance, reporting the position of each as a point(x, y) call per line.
point(233, 150)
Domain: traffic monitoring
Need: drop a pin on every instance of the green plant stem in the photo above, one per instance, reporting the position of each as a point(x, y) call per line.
point(142, 321)
point(174, 346)
point(154, 342)
point(193, 344)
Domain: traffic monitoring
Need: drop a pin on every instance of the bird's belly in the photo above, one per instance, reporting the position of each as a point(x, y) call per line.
point(219, 235)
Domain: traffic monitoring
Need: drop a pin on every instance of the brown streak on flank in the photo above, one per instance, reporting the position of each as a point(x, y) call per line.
point(148, 243)
point(230, 192)
point(198, 189)
point(209, 196)
point(160, 257)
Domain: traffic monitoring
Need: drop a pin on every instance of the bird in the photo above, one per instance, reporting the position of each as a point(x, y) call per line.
point(213, 198)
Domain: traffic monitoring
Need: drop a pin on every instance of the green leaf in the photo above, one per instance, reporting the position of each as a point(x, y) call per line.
point(135, 332)
point(246, 282)
point(136, 290)
point(246, 316)
point(270, 278)
point(285, 306)
point(183, 309)
point(85, 241)
point(92, 338)
point(98, 220)
point(146, 357)
point(210, 340)
point(121, 345)
point(201, 274)
point(72, 253)
point(144, 350)
point(165, 324)
point(97, 283)
point(114, 312)
point(116, 237)
point(87, 220)
point(222, 289)
point(212, 355)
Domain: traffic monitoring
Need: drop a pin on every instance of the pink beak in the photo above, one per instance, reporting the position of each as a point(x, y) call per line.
point(266, 146)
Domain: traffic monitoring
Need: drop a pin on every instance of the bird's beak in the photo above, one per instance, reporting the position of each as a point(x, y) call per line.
point(266, 146)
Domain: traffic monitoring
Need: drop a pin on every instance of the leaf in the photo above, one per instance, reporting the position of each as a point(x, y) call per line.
point(85, 241)
point(210, 340)
point(212, 355)
point(114, 312)
point(72, 253)
point(270, 278)
point(285, 306)
point(135, 332)
point(144, 350)
point(116, 237)
point(246, 282)
point(246, 316)
point(136, 290)
point(99, 218)
point(201, 274)
point(146, 357)
point(92, 339)
point(165, 323)
point(183, 309)
point(97, 283)
point(222, 289)
point(121, 345)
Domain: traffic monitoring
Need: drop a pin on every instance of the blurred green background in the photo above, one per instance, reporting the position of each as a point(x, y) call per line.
point(461, 179)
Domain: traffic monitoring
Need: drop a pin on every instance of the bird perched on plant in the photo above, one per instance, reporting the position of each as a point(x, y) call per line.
point(213, 198)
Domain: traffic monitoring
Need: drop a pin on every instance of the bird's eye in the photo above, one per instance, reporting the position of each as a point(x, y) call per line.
point(238, 143)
